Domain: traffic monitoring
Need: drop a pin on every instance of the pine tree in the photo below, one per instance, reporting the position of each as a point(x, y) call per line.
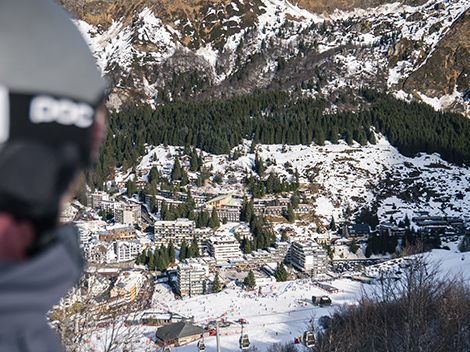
point(215, 219)
point(176, 173)
point(252, 147)
point(184, 178)
point(190, 200)
point(202, 219)
point(295, 200)
point(290, 213)
point(152, 261)
point(153, 204)
point(183, 251)
point(194, 248)
point(332, 224)
point(283, 236)
point(353, 247)
point(161, 265)
point(171, 252)
point(153, 175)
point(280, 273)
point(163, 252)
point(131, 188)
point(163, 210)
point(248, 248)
point(147, 256)
point(193, 161)
point(216, 284)
point(249, 280)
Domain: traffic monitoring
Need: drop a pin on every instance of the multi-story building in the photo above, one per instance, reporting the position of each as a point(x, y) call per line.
point(128, 214)
point(243, 230)
point(356, 231)
point(226, 207)
point(175, 231)
point(127, 250)
point(230, 213)
point(123, 233)
point(99, 252)
point(308, 257)
point(282, 250)
point(84, 234)
point(127, 285)
point(159, 200)
point(97, 284)
point(192, 275)
point(202, 235)
point(94, 199)
point(108, 205)
point(271, 255)
point(224, 248)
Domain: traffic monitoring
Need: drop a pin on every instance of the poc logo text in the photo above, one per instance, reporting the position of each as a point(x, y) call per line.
point(44, 109)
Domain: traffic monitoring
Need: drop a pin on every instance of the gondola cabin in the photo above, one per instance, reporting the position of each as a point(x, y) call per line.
point(322, 301)
point(244, 342)
point(201, 346)
point(309, 339)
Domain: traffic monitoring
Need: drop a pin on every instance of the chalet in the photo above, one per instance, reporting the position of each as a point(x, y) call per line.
point(390, 229)
point(356, 230)
point(141, 183)
point(179, 334)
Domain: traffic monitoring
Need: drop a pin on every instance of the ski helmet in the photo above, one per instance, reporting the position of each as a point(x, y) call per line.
point(50, 90)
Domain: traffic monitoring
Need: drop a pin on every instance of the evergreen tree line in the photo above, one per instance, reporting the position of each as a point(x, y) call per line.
point(280, 273)
point(191, 251)
point(161, 258)
point(385, 243)
point(273, 185)
point(263, 235)
point(158, 260)
point(276, 117)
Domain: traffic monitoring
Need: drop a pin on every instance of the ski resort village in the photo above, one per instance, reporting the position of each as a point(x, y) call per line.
point(261, 245)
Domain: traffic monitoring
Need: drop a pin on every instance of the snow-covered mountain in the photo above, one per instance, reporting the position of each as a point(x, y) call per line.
point(155, 50)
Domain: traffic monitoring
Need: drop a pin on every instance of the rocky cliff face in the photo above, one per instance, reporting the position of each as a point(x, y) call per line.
point(447, 67)
point(153, 50)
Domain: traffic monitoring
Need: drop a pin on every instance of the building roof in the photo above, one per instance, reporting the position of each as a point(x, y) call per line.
point(178, 331)
point(359, 227)
point(219, 197)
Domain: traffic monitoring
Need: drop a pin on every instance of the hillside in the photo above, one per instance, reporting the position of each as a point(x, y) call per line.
point(193, 50)
point(341, 177)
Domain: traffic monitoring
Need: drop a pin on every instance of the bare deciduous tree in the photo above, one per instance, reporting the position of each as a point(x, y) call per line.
point(411, 309)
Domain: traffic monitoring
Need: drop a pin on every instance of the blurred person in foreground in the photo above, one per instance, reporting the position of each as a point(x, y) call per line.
point(51, 124)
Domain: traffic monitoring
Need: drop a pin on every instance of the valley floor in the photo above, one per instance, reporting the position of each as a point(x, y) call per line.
point(279, 313)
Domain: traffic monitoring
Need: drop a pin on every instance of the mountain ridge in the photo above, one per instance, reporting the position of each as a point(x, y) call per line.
point(235, 47)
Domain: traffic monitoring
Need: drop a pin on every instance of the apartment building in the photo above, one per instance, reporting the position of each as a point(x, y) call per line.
point(175, 231)
point(226, 207)
point(224, 248)
point(127, 285)
point(127, 250)
point(308, 257)
point(128, 214)
point(94, 199)
point(192, 275)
